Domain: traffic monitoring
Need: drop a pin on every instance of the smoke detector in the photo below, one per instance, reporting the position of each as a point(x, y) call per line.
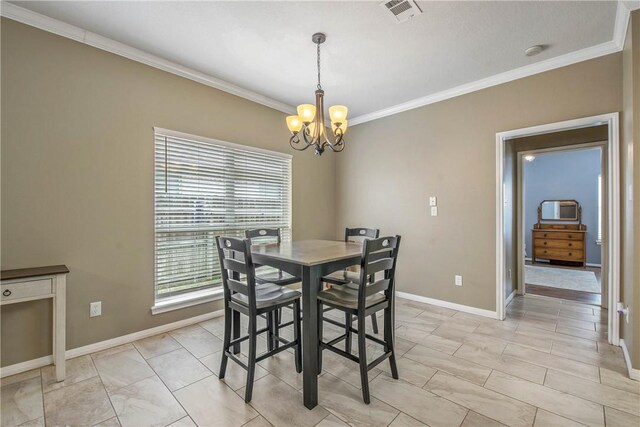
point(401, 10)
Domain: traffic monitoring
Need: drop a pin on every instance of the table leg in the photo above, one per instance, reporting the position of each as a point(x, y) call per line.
point(310, 286)
point(59, 345)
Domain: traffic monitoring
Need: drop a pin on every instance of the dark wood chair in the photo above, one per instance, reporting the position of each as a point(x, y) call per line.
point(270, 275)
point(350, 278)
point(252, 300)
point(378, 256)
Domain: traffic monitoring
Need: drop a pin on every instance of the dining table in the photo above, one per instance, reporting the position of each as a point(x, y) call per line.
point(310, 260)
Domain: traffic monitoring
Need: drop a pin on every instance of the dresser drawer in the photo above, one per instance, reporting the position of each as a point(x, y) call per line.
point(558, 244)
point(563, 254)
point(560, 235)
point(28, 289)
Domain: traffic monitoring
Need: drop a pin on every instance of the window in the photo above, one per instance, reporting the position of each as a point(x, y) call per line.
point(205, 188)
point(599, 238)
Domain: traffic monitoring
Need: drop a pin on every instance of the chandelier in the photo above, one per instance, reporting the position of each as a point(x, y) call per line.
point(308, 126)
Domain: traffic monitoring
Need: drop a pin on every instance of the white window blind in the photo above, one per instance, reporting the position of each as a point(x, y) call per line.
point(205, 188)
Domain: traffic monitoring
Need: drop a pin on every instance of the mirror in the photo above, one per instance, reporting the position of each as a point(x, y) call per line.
point(559, 210)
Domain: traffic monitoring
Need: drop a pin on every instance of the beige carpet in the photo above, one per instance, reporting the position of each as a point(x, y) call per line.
point(564, 278)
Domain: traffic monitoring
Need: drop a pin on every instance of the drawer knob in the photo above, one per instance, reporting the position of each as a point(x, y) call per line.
point(6, 292)
point(545, 252)
point(570, 236)
point(545, 234)
point(570, 254)
point(545, 243)
point(570, 244)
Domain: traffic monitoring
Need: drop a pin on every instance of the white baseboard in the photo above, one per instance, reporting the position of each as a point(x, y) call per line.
point(509, 298)
point(103, 345)
point(634, 374)
point(447, 304)
point(18, 368)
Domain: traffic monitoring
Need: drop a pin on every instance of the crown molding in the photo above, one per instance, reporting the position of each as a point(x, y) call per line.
point(60, 28)
point(615, 45)
point(28, 17)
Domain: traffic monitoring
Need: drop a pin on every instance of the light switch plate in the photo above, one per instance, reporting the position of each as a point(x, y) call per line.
point(95, 309)
point(458, 280)
point(434, 211)
point(433, 201)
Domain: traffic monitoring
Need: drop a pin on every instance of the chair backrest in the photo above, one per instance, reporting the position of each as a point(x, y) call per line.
point(263, 235)
point(235, 260)
point(364, 233)
point(378, 255)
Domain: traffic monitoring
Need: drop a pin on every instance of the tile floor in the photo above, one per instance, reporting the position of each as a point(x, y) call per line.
point(548, 364)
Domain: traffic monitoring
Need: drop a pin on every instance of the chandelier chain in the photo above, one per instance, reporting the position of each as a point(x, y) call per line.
point(319, 85)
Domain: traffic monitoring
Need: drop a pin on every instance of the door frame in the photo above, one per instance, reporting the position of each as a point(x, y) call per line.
point(611, 232)
point(520, 225)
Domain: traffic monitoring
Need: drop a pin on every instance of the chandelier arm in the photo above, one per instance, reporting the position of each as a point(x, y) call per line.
point(295, 140)
point(338, 145)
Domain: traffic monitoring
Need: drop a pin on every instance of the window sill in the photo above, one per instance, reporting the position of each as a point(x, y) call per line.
point(187, 300)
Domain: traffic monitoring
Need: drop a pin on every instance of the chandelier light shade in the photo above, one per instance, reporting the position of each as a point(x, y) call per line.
point(308, 127)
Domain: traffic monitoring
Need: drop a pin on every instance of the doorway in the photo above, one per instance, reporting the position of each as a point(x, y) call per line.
point(560, 211)
point(510, 248)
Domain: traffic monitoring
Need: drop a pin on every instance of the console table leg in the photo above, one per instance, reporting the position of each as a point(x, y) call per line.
point(59, 345)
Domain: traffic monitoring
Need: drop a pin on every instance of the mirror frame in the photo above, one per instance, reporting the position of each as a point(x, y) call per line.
point(578, 217)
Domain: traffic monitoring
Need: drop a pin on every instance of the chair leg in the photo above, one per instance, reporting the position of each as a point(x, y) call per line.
point(297, 336)
point(226, 341)
point(374, 323)
point(270, 316)
point(348, 324)
point(277, 319)
point(252, 359)
point(388, 339)
point(362, 356)
point(235, 323)
point(320, 335)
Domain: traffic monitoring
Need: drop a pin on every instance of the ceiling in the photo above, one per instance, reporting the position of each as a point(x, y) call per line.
point(369, 62)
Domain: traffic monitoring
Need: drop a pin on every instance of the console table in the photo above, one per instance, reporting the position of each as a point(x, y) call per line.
point(28, 284)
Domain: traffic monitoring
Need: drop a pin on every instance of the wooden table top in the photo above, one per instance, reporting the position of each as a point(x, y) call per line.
point(309, 252)
point(21, 273)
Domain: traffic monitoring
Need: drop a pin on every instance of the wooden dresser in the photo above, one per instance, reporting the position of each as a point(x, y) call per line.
point(560, 242)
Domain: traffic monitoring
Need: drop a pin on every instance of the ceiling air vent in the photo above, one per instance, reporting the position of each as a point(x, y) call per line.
point(401, 10)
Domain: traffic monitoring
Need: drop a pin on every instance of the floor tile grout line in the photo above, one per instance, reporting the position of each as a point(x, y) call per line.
point(513, 398)
point(590, 399)
point(471, 409)
point(394, 418)
point(163, 383)
point(547, 409)
point(105, 391)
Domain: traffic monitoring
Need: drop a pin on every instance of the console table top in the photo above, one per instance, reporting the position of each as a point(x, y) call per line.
point(21, 273)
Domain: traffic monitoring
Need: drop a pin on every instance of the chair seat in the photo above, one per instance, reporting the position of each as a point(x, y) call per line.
point(347, 296)
point(277, 277)
point(268, 295)
point(343, 277)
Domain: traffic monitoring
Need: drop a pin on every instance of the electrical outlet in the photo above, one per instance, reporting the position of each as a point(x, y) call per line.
point(433, 201)
point(434, 211)
point(458, 280)
point(95, 309)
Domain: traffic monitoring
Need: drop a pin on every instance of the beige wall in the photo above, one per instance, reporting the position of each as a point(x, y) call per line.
point(77, 179)
point(447, 149)
point(630, 186)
